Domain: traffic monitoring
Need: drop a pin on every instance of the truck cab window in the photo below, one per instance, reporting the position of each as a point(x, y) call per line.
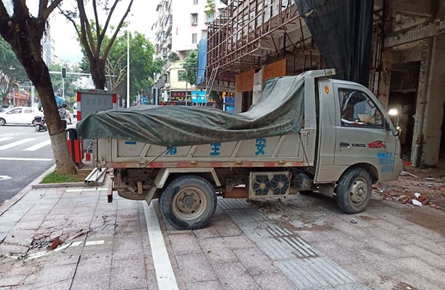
point(358, 110)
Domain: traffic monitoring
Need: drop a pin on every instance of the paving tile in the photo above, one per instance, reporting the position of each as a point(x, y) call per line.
point(429, 257)
point(216, 251)
point(207, 232)
point(417, 266)
point(345, 241)
point(392, 238)
point(95, 280)
point(235, 276)
point(151, 280)
point(213, 285)
point(11, 280)
point(128, 274)
point(126, 248)
point(52, 275)
point(341, 255)
point(238, 242)
point(226, 228)
point(255, 261)
point(20, 237)
point(353, 231)
point(387, 226)
point(184, 244)
point(432, 235)
point(271, 282)
point(195, 268)
point(312, 236)
point(390, 251)
point(424, 242)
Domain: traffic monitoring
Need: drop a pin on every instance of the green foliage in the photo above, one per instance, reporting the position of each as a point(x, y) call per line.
point(209, 8)
point(56, 79)
point(142, 65)
point(11, 70)
point(190, 64)
point(173, 56)
point(158, 64)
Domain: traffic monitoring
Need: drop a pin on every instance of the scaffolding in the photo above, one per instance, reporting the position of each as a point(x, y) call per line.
point(251, 33)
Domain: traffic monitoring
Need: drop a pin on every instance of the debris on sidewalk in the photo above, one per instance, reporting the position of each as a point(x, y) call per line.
point(353, 221)
point(416, 202)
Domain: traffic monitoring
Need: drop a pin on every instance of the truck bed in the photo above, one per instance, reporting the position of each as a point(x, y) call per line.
point(279, 151)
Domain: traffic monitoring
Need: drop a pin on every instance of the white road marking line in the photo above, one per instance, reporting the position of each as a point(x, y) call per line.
point(25, 159)
point(11, 145)
point(94, 243)
point(163, 267)
point(5, 139)
point(5, 177)
point(38, 146)
point(86, 189)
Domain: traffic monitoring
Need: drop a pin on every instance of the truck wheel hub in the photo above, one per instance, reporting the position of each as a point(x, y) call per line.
point(358, 191)
point(189, 203)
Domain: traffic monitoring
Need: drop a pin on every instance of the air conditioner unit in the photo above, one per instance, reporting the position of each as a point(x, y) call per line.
point(167, 85)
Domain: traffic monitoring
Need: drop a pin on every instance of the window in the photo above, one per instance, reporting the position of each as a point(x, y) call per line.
point(195, 2)
point(358, 110)
point(194, 38)
point(15, 111)
point(195, 19)
point(181, 75)
point(29, 110)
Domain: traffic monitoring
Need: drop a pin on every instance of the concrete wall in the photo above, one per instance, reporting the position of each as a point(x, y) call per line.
point(182, 24)
point(434, 104)
point(175, 84)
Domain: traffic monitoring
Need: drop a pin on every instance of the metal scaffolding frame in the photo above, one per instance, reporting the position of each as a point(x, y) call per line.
point(251, 33)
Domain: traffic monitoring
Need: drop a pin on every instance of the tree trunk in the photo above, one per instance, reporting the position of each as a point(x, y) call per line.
point(26, 43)
point(97, 69)
point(64, 164)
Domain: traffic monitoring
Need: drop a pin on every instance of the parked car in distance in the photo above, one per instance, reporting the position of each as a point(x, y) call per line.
point(19, 115)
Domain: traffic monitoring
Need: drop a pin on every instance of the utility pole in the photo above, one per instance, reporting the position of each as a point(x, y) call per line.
point(32, 96)
point(63, 83)
point(128, 68)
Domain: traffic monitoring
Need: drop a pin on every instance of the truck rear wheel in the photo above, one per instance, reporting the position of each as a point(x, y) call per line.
point(188, 202)
point(354, 190)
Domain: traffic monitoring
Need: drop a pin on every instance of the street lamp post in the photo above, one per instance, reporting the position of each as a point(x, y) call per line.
point(128, 68)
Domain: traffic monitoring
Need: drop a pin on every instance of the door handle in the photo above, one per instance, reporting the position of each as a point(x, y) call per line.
point(345, 145)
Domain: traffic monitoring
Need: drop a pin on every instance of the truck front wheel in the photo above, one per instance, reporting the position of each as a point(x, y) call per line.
point(188, 202)
point(354, 190)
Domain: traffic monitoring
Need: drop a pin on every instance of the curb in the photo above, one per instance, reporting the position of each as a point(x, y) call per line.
point(70, 184)
point(10, 202)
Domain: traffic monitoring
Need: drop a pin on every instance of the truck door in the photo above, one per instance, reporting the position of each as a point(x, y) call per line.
point(361, 131)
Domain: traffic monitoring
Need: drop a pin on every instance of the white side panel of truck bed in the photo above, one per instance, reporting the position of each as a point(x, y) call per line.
point(275, 151)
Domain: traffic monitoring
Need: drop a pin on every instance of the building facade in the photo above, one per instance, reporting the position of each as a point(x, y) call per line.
point(179, 27)
point(254, 40)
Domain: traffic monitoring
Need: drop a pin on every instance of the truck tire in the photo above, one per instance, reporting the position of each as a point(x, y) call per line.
point(188, 202)
point(354, 190)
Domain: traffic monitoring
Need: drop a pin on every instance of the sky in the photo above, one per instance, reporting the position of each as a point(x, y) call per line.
point(142, 16)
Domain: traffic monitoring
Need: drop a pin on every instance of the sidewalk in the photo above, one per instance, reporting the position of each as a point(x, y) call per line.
point(302, 243)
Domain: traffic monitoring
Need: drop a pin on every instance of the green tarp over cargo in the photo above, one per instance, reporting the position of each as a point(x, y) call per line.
point(279, 111)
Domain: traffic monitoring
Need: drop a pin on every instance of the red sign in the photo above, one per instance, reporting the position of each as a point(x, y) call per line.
point(377, 145)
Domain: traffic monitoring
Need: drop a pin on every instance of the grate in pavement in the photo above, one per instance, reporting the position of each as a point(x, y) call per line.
point(301, 263)
point(234, 204)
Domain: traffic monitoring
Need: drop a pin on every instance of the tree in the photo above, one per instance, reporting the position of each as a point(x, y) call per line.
point(141, 64)
point(190, 64)
point(11, 71)
point(92, 37)
point(24, 33)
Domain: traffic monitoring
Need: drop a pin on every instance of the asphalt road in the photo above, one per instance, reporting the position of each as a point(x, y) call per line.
point(24, 155)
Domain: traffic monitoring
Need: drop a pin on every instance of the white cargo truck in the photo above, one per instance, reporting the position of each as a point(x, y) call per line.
point(346, 143)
